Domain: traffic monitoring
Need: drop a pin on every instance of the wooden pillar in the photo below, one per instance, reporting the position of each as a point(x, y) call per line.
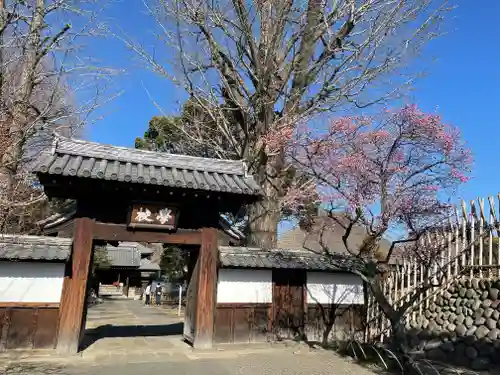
point(72, 308)
point(207, 287)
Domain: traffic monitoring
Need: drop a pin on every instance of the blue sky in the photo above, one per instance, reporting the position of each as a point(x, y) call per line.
point(463, 82)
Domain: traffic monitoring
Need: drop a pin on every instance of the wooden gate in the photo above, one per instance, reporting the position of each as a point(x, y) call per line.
point(288, 303)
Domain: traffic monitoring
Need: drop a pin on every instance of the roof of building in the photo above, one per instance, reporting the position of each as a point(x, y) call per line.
point(325, 233)
point(78, 158)
point(147, 265)
point(123, 256)
point(63, 214)
point(247, 257)
point(143, 250)
point(130, 254)
point(19, 247)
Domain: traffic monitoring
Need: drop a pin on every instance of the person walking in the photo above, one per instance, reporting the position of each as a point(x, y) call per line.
point(147, 292)
point(158, 294)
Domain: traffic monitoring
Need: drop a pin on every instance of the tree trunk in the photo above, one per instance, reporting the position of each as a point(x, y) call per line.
point(11, 159)
point(264, 215)
point(399, 345)
point(326, 333)
point(263, 220)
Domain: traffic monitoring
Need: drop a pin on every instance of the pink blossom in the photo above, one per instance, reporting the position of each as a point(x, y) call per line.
point(393, 166)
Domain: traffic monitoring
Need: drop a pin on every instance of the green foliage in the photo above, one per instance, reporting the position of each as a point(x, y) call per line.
point(101, 260)
point(174, 134)
point(161, 135)
point(173, 262)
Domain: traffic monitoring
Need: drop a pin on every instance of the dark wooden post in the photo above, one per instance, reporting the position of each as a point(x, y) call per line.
point(207, 286)
point(72, 308)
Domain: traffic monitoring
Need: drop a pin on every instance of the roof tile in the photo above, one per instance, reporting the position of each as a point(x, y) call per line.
point(147, 265)
point(19, 247)
point(84, 159)
point(245, 257)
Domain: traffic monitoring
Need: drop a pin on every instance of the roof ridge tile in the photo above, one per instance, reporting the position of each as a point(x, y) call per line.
point(78, 147)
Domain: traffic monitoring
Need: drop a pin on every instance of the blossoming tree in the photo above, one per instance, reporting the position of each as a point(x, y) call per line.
point(388, 173)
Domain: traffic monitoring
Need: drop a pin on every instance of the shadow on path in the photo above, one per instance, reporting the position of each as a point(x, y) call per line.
point(108, 330)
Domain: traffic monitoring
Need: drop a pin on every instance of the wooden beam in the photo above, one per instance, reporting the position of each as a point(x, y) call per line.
point(120, 232)
point(207, 286)
point(30, 305)
point(72, 310)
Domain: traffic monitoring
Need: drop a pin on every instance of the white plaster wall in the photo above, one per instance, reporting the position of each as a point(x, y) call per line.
point(245, 286)
point(31, 282)
point(339, 288)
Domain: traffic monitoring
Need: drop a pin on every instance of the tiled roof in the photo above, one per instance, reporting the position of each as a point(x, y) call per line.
point(245, 257)
point(128, 254)
point(65, 213)
point(143, 250)
point(17, 247)
point(123, 256)
point(70, 157)
point(147, 265)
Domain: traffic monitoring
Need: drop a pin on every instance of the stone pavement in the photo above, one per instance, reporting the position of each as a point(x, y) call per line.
point(126, 338)
point(285, 361)
point(119, 326)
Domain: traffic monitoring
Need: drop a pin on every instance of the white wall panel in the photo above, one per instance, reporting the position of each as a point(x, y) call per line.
point(31, 282)
point(338, 288)
point(244, 286)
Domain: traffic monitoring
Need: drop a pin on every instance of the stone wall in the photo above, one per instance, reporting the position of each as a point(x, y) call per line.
point(462, 326)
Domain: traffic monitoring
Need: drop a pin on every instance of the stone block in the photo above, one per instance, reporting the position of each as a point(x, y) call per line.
point(495, 314)
point(493, 333)
point(479, 321)
point(476, 304)
point(471, 352)
point(481, 332)
point(488, 312)
point(486, 303)
point(478, 313)
point(460, 330)
point(493, 292)
point(491, 323)
point(437, 355)
point(481, 364)
point(470, 331)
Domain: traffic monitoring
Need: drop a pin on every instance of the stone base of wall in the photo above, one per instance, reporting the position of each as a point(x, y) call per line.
point(462, 326)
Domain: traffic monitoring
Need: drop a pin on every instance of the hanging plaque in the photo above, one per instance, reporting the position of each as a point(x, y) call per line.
point(153, 216)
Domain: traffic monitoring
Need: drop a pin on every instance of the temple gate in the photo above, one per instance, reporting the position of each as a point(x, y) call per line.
point(134, 195)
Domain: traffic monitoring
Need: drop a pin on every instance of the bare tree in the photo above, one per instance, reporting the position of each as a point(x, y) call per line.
point(255, 67)
point(47, 84)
